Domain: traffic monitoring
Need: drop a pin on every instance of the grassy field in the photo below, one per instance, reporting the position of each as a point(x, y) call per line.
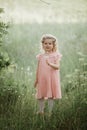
point(18, 105)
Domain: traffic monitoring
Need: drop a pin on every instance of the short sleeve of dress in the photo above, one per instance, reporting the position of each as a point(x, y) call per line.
point(58, 56)
point(38, 56)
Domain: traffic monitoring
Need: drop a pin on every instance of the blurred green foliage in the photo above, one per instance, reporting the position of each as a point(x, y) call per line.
point(4, 58)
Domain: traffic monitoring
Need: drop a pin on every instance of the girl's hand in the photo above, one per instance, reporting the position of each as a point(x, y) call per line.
point(47, 62)
point(54, 66)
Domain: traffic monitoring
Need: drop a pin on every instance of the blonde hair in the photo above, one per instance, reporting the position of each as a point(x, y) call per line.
point(54, 40)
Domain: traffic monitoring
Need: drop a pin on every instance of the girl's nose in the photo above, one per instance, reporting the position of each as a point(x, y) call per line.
point(47, 44)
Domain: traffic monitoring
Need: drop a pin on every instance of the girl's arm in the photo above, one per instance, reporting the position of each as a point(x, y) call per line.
point(36, 80)
point(53, 65)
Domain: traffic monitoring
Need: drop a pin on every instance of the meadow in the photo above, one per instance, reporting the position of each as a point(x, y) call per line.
point(17, 96)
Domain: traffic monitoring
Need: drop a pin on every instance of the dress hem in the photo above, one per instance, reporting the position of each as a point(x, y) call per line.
point(49, 98)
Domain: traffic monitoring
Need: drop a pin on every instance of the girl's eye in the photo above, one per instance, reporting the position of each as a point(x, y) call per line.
point(48, 43)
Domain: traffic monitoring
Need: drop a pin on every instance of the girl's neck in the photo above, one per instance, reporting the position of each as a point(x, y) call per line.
point(48, 52)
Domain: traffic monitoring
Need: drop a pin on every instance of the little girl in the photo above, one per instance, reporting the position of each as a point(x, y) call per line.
point(47, 74)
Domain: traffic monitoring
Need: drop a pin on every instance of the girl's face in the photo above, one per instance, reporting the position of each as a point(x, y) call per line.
point(48, 45)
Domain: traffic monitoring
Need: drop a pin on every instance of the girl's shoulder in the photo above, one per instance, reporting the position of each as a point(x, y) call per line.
point(56, 55)
point(38, 56)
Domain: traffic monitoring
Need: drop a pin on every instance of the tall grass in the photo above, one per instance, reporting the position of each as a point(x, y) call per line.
point(17, 94)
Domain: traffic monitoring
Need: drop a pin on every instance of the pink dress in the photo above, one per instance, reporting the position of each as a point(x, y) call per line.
point(48, 78)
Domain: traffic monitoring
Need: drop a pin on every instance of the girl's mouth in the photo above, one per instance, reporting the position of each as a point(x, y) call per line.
point(47, 47)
